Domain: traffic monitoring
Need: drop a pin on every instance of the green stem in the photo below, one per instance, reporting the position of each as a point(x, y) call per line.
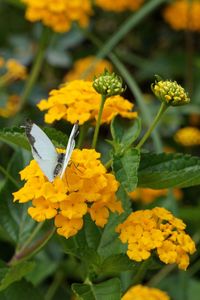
point(161, 111)
point(28, 252)
point(138, 96)
point(129, 24)
point(5, 172)
point(96, 132)
point(54, 286)
point(141, 272)
point(82, 134)
point(33, 234)
point(43, 43)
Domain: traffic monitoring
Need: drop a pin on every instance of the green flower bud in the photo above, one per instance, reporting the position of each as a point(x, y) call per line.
point(170, 92)
point(108, 84)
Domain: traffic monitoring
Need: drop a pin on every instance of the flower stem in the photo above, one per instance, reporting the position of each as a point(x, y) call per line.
point(141, 272)
point(82, 134)
point(33, 234)
point(96, 132)
point(7, 175)
point(43, 43)
point(161, 111)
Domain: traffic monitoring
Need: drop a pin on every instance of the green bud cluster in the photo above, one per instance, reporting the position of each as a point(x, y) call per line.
point(170, 92)
point(108, 84)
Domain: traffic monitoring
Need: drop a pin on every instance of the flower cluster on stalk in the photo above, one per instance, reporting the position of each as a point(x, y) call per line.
point(78, 101)
point(11, 70)
point(156, 229)
point(60, 15)
point(85, 188)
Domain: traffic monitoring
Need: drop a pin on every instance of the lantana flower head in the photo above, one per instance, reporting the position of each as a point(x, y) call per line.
point(188, 12)
point(78, 101)
point(188, 136)
point(140, 292)
point(59, 14)
point(12, 106)
point(85, 188)
point(12, 70)
point(158, 230)
point(85, 68)
point(119, 5)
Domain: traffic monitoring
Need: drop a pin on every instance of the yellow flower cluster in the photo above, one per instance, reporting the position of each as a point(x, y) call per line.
point(78, 101)
point(147, 196)
point(188, 12)
point(59, 14)
point(85, 188)
point(188, 136)
point(86, 68)
point(156, 229)
point(13, 70)
point(11, 108)
point(119, 5)
point(140, 292)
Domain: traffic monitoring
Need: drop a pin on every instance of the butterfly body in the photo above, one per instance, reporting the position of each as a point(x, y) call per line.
point(50, 161)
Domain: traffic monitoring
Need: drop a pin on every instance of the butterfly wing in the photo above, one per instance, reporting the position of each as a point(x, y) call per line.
point(42, 149)
point(70, 148)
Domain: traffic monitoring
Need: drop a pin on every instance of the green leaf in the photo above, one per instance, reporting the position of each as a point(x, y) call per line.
point(109, 290)
point(116, 264)
point(125, 132)
point(16, 137)
point(125, 167)
point(21, 290)
point(14, 219)
point(167, 170)
point(8, 275)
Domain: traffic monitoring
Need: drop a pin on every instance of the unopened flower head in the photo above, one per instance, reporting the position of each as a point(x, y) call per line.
point(108, 84)
point(141, 292)
point(85, 188)
point(157, 230)
point(170, 92)
point(78, 101)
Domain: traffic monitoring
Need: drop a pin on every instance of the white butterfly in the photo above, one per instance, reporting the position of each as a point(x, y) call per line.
point(50, 161)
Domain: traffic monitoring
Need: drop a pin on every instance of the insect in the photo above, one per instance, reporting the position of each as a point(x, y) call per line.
point(50, 161)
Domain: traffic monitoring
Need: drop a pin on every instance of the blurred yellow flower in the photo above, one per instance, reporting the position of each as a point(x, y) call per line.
point(188, 136)
point(12, 70)
point(59, 14)
point(188, 12)
point(85, 69)
point(78, 101)
point(119, 5)
point(147, 196)
point(85, 188)
point(11, 108)
point(156, 229)
point(140, 292)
